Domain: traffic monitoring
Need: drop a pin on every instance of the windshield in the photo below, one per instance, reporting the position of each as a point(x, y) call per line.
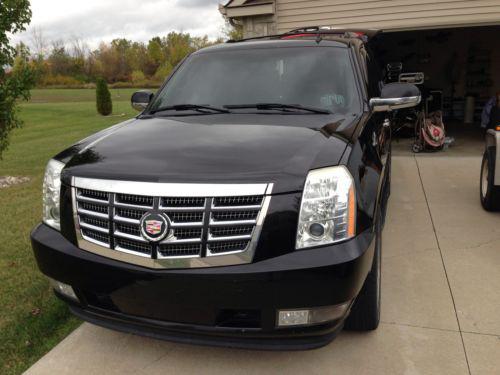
point(320, 77)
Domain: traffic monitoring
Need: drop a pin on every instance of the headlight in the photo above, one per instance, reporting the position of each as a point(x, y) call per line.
point(51, 194)
point(328, 209)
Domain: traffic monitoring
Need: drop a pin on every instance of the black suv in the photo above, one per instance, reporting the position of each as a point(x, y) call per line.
point(244, 205)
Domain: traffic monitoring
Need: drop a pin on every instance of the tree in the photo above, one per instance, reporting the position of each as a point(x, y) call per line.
point(39, 43)
point(14, 16)
point(103, 98)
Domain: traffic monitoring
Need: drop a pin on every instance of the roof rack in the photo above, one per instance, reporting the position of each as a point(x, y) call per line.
point(318, 31)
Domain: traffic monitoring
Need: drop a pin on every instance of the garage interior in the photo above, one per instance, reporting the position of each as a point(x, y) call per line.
point(461, 66)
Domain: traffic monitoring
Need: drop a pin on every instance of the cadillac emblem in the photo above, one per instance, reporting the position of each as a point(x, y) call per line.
point(154, 227)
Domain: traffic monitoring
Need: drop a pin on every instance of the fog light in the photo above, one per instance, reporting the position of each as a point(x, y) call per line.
point(64, 289)
point(310, 316)
point(293, 318)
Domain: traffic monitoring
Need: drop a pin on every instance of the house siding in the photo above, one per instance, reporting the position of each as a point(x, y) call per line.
point(386, 14)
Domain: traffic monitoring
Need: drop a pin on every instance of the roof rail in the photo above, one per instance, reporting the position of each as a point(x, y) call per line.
point(318, 31)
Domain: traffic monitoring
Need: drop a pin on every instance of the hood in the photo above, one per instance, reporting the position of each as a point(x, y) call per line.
point(225, 148)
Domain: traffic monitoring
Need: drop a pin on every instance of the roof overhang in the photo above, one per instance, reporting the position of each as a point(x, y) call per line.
point(242, 8)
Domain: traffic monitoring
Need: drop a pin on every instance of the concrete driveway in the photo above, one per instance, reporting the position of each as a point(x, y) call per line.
point(440, 298)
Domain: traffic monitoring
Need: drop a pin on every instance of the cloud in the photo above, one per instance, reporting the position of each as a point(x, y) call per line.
point(197, 3)
point(103, 20)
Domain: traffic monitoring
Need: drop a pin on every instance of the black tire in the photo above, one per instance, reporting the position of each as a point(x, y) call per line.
point(387, 189)
point(489, 193)
point(365, 313)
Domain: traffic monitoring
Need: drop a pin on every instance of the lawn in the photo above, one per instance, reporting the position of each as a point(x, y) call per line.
point(32, 320)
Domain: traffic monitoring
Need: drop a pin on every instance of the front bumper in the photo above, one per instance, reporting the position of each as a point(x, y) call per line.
point(231, 306)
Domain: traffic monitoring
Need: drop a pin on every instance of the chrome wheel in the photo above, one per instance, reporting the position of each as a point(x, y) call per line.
point(484, 178)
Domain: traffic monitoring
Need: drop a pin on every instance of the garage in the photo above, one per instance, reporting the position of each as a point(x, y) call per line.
point(460, 68)
point(454, 43)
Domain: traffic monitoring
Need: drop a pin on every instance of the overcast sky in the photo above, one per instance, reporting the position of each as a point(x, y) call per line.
point(139, 20)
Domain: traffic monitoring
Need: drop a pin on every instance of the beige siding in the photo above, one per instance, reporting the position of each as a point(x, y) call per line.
point(386, 14)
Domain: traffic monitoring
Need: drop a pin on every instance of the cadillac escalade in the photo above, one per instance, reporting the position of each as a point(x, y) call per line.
point(242, 207)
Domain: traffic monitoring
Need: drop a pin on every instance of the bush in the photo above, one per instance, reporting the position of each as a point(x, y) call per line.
point(163, 72)
point(138, 77)
point(103, 98)
point(59, 80)
point(146, 84)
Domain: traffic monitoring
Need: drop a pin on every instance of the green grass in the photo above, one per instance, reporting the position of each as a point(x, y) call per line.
point(76, 95)
point(32, 320)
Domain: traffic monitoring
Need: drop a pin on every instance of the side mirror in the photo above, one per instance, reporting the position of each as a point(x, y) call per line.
point(396, 96)
point(140, 99)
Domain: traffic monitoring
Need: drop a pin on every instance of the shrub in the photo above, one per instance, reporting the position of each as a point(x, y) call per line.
point(162, 72)
point(103, 98)
point(146, 84)
point(138, 77)
point(59, 80)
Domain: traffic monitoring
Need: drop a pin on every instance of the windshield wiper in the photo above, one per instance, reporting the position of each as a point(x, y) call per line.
point(265, 106)
point(190, 107)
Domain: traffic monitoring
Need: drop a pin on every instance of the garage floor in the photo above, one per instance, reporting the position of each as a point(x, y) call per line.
point(440, 300)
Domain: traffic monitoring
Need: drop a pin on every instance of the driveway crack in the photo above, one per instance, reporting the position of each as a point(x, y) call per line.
point(443, 263)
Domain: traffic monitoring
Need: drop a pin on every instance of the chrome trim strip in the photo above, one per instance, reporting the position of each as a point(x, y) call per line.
point(227, 253)
point(179, 256)
point(182, 209)
point(179, 190)
point(91, 240)
point(133, 206)
point(175, 240)
point(92, 213)
point(93, 227)
point(235, 208)
point(194, 224)
point(236, 222)
point(229, 238)
point(160, 189)
point(389, 104)
point(126, 220)
point(81, 198)
point(131, 252)
point(128, 236)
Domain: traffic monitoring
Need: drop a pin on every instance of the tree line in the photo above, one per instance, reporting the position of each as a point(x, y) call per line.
point(121, 62)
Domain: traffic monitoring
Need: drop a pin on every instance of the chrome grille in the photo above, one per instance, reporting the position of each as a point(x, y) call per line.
point(227, 246)
point(136, 247)
point(128, 229)
point(201, 227)
point(93, 209)
point(94, 221)
point(134, 200)
point(238, 201)
point(131, 214)
point(186, 217)
point(184, 234)
point(183, 202)
point(231, 231)
point(180, 250)
point(235, 215)
point(96, 236)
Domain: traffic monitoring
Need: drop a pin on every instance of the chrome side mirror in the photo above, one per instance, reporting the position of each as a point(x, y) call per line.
point(396, 96)
point(141, 99)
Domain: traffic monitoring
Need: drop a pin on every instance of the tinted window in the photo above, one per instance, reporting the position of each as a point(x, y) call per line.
point(311, 76)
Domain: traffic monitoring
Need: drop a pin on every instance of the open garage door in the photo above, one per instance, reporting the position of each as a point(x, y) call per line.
point(461, 66)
